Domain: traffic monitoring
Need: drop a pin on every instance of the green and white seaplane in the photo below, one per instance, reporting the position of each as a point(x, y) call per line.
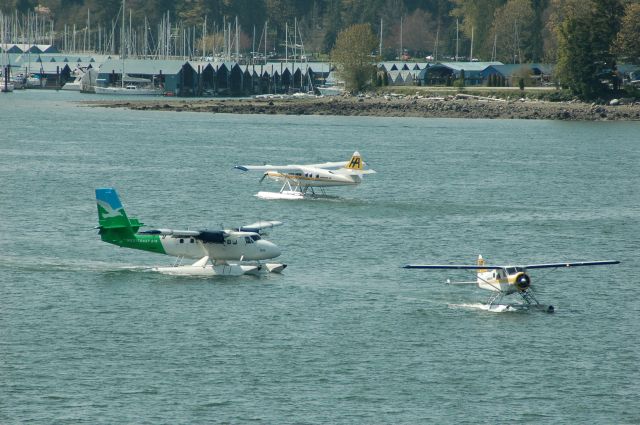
point(230, 252)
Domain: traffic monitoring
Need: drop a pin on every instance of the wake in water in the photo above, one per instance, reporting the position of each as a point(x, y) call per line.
point(58, 264)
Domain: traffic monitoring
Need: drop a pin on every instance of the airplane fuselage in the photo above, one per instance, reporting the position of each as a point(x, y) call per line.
point(245, 246)
point(505, 280)
point(316, 177)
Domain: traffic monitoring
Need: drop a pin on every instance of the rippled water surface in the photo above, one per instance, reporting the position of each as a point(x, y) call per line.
point(344, 335)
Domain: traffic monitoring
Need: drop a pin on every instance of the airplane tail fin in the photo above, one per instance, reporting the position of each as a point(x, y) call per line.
point(355, 163)
point(355, 166)
point(112, 217)
point(480, 262)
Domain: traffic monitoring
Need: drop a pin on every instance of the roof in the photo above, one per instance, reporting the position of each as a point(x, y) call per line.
point(143, 67)
point(467, 66)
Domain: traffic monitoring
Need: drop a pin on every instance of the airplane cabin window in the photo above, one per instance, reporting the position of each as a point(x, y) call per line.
point(181, 240)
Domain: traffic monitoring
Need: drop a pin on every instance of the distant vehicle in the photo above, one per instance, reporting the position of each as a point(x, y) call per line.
point(507, 280)
point(220, 252)
point(299, 181)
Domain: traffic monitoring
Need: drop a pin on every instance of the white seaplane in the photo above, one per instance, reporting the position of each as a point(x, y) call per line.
point(231, 252)
point(299, 181)
point(507, 280)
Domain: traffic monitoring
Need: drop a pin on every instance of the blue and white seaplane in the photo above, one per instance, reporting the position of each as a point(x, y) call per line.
point(299, 181)
point(231, 252)
point(507, 280)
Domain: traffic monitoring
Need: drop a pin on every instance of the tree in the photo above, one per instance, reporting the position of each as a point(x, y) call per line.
point(352, 55)
point(512, 28)
point(585, 38)
point(627, 40)
point(418, 33)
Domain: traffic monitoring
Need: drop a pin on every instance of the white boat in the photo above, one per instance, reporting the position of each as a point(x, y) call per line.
point(76, 84)
point(328, 90)
point(130, 89)
point(34, 81)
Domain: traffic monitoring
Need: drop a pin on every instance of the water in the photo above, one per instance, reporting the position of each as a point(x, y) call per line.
point(344, 335)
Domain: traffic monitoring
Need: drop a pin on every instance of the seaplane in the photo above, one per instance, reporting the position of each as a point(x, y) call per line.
point(507, 280)
point(231, 252)
point(299, 181)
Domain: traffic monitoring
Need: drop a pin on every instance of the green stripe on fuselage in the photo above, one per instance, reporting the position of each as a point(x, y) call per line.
point(127, 239)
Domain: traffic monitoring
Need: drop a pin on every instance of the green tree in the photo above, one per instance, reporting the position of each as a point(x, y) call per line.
point(627, 43)
point(585, 37)
point(352, 55)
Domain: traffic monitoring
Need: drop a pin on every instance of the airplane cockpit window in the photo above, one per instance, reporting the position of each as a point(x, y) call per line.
point(248, 240)
point(511, 270)
point(255, 237)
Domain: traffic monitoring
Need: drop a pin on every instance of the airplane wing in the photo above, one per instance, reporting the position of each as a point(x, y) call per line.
point(581, 263)
point(268, 167)
point(211, 236)
point(329, 165)
point(452, 266)
point(171, 232)
point(490, 267)
point(292, 167)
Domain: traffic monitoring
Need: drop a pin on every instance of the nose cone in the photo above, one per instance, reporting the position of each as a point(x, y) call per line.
point(268, 250)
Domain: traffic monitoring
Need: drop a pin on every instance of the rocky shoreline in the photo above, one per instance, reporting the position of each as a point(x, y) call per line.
point(455, 106)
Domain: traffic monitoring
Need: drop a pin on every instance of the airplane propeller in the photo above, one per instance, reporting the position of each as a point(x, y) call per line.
point(523, 282)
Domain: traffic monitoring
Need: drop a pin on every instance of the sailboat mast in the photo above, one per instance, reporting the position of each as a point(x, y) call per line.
point(380, 47)
point(122, 42)
point(237, 41)
point(471, 53)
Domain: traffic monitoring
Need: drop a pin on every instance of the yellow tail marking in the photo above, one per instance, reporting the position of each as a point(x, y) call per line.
point(355, 163)
point(481, 263)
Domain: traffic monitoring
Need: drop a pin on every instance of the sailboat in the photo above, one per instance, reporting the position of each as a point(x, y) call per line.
point(131, 86)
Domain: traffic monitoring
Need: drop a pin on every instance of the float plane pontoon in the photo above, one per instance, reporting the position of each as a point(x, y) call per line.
point(507, 280)
point(299, 181)
point(231, 252)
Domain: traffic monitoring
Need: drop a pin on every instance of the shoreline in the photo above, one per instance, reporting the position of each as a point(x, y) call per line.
point(455, 106)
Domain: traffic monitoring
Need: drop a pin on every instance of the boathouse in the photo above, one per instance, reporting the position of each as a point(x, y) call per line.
point(444, 73)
